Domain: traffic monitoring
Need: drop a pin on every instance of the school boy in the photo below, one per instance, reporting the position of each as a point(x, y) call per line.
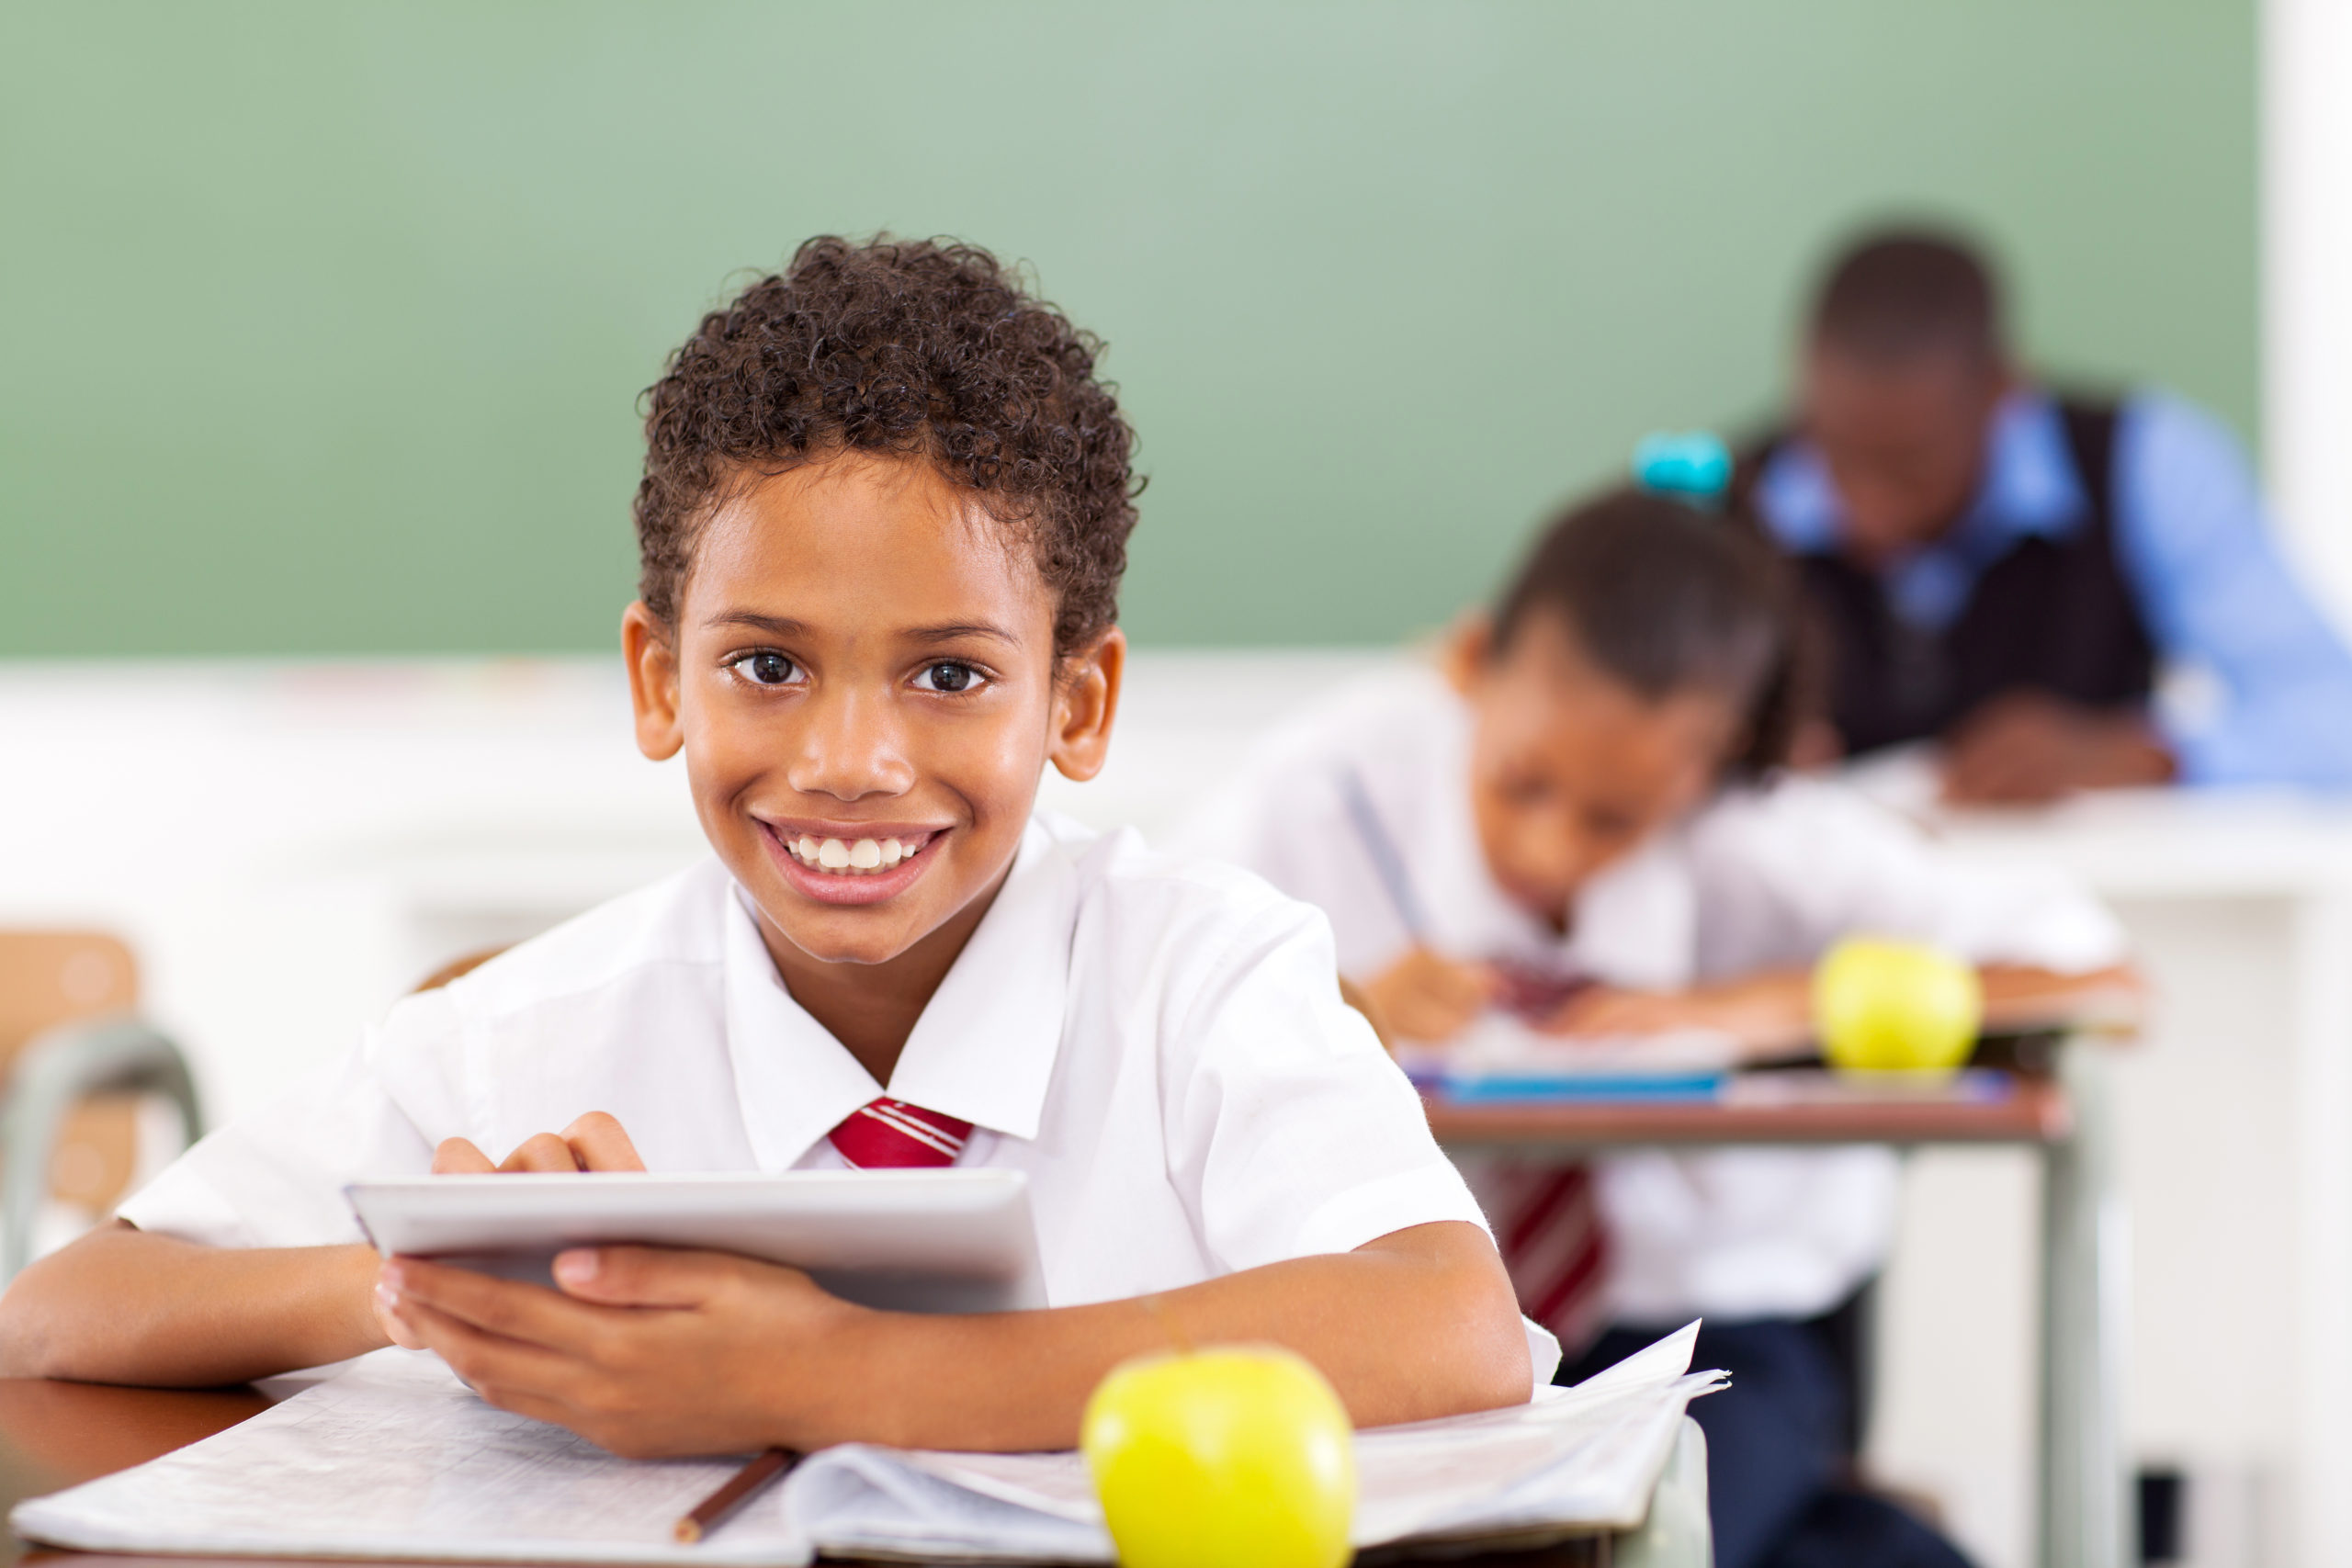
point(883, 520)
point(1578, 817)
point(2002, 570)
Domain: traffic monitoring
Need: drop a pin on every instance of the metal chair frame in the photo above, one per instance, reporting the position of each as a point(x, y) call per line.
point(56, 1071)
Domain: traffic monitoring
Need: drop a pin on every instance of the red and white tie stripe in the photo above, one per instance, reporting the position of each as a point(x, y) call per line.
point(1548, 1223)
point(890, 1134)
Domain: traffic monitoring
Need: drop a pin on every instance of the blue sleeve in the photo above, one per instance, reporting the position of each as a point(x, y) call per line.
point(2220, 598)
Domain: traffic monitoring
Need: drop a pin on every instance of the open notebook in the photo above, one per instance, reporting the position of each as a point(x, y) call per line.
point(395, 1458)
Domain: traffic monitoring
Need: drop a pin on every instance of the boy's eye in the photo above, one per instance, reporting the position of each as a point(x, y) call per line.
point(765, 669)
point(948, 676)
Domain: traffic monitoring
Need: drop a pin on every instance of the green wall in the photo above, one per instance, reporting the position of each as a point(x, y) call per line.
point(320, 326)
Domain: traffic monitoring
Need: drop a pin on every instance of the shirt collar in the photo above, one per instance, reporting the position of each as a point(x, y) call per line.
point(983, 1050)
point(2030, 486)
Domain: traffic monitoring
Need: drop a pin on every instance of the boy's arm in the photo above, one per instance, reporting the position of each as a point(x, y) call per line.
point(1419, 1322)
point(121, 1305)
point(1771, 1012)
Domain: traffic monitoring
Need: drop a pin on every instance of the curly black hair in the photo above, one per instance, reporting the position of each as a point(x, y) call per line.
point(923, 349)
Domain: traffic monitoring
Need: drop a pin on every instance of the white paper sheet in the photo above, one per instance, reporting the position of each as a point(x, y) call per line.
point(1500, 1046)
point(395, 1458)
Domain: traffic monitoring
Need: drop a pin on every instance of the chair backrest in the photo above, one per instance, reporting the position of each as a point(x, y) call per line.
point(49, 977)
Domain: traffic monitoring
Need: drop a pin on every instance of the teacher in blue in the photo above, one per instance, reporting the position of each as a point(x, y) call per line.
point(2006, 571)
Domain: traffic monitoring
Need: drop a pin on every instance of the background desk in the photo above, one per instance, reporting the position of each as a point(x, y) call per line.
point(2081, 1495)
point(54, 1435)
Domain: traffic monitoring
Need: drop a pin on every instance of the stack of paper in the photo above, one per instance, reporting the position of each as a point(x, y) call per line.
point(395, 1458)
point(1500, 1058)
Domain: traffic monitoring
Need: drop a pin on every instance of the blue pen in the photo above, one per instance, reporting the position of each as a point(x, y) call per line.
point(1388, 863)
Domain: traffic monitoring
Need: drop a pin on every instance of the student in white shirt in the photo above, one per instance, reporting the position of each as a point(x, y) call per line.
point(883, 521)
point(1580, 819)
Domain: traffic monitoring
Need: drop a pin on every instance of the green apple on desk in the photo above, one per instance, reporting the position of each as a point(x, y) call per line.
point(1882, 1006)
point(1240, 1456)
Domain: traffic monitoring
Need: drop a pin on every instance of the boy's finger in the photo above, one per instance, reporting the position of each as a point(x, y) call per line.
point(491, 1360)
point(396, 1329)
point(505, 1307)
point(645, 1276)
point(541, 1152)
point(597, 1142)
point(458, 1156)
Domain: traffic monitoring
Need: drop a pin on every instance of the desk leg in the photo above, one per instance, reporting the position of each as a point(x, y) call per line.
point(2084, 1275)
point(1677, 1533)
point(2320, 1520)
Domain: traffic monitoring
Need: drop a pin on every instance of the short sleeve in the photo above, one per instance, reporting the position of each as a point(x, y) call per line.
point(1291, 1130)
point(1786, 871)
point(275, 1177)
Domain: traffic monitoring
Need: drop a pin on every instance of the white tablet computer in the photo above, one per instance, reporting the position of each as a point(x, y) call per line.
point(905, 1240)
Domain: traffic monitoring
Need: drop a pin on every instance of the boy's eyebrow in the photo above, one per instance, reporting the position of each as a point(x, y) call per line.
point(784, 626)
point(774, 626)
point(955, 630)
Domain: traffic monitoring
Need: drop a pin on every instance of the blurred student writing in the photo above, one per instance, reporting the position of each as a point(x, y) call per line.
point(2005, 571)
point(1586, 795)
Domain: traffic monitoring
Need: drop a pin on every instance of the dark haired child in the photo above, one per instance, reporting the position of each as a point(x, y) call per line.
point(884, 515)
point(1578, 817)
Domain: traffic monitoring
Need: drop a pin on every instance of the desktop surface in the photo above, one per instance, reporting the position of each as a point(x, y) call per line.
point(54, 1435)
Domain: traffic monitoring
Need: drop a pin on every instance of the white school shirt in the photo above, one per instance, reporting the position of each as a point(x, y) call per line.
point(1762, 877)
point(1158, 1042)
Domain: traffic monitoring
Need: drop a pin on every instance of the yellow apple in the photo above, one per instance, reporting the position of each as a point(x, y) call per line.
point(1895, 1006)
point(1240, 1456)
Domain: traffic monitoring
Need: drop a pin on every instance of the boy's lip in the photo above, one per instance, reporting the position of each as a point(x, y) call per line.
point(823, 888)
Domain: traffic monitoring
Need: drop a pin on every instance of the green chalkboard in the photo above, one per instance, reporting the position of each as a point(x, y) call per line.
point(322, 325)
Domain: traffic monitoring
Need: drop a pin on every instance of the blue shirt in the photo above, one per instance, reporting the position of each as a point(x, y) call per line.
point(2194, 543)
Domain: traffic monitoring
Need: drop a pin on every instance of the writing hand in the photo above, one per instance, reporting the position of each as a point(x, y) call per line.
point(1429, 997)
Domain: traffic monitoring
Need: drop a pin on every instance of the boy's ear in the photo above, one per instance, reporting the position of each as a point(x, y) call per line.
point(652, 682)
point(1469, 644)
point(1086, 699)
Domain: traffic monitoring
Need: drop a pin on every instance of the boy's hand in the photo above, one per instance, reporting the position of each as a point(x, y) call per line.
point(595, 1142)
point(645, 1351)
point(1766, 1013)
point(1428, 998)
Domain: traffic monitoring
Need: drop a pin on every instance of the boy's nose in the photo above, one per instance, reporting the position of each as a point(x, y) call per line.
point(850, 746)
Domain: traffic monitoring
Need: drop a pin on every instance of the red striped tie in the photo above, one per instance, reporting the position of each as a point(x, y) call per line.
point(1553, 1243)
point(890, 1134)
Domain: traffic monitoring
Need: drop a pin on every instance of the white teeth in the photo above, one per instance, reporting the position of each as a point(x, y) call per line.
point(851, 858)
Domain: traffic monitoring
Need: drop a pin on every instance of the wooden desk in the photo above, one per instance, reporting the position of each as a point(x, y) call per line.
point(2066, 1119)
point(54, 1435)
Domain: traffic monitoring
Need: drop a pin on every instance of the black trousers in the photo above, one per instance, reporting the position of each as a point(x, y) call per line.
point(1779, 1451)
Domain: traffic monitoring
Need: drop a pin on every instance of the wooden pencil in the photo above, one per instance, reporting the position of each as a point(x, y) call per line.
point(713, 1510)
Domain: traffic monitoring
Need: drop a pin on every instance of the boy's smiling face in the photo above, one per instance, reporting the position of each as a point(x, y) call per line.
point(862, 678)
